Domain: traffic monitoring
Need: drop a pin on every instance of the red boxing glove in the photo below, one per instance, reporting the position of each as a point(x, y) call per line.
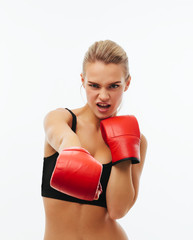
point(122, 135)
point(77, 174)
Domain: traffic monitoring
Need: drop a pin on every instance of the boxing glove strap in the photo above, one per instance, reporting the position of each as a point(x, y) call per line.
point(132, 159)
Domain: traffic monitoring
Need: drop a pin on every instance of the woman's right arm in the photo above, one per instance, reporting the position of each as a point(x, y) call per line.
point(58, 131)
point(73, 166)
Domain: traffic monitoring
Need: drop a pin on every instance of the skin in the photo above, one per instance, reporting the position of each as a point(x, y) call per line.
point(74, 221)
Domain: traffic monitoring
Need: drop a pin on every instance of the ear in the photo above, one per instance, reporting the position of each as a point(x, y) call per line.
point(82, 80)
point(127, 83)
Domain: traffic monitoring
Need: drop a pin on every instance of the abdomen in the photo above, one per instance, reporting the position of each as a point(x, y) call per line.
point(74, 221)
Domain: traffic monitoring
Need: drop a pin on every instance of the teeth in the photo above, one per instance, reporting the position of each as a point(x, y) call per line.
point(103, 104)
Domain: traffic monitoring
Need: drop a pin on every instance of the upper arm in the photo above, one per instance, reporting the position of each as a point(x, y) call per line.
point(57, 130)
point(137, 168)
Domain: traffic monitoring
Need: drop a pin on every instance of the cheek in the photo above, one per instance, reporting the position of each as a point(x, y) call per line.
point(90, 94)
point(116, 96)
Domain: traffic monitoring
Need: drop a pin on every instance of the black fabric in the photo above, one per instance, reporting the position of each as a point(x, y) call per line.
point(48, 167)
point(74, 120)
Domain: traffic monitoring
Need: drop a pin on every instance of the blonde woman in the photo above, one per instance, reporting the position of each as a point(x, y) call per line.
point(93, 158)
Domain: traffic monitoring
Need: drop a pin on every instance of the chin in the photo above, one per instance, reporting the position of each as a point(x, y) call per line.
point(104, 116)
point(101, 115)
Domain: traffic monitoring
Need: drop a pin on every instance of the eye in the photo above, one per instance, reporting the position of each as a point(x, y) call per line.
point(93, 85)
point(114, 86)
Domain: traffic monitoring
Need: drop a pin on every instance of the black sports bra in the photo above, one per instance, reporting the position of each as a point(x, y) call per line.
point(48, 167)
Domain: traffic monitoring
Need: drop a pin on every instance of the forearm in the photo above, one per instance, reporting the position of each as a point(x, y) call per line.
point(120, 190)
point(71, 141)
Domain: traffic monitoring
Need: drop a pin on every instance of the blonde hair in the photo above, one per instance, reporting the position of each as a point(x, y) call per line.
point(107, 52)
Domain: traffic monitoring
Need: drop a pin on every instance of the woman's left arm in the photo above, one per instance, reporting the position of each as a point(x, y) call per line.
point(123, 185)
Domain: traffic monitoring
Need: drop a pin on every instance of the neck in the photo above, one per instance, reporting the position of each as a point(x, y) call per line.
point(89, 116)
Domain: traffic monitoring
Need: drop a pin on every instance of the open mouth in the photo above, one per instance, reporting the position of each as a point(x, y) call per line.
point(103, 105)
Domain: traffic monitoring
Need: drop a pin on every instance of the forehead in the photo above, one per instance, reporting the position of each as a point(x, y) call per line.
point(99, 71)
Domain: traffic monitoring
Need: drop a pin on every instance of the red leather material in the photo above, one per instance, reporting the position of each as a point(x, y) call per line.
point(77, 174)
point(122, 135)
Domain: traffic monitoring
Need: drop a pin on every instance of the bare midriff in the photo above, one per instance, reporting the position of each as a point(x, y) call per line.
point(74, 221)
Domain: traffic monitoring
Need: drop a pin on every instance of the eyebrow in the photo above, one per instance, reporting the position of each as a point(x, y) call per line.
point(108, 84)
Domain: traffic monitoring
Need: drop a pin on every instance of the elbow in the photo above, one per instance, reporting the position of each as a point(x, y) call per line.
point(114, 215)
point(119, 212)
point(120, 209)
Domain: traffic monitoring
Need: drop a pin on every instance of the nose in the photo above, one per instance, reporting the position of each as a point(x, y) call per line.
point(103, 95)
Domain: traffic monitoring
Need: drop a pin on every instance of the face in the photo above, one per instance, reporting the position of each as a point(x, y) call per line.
point(104, 85)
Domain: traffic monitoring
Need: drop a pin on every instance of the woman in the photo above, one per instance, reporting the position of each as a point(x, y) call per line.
point(105, 77)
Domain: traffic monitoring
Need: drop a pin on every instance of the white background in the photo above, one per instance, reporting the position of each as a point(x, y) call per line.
point(42, 44)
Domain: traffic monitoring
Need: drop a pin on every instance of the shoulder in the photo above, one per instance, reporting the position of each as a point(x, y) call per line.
point(57, 116)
